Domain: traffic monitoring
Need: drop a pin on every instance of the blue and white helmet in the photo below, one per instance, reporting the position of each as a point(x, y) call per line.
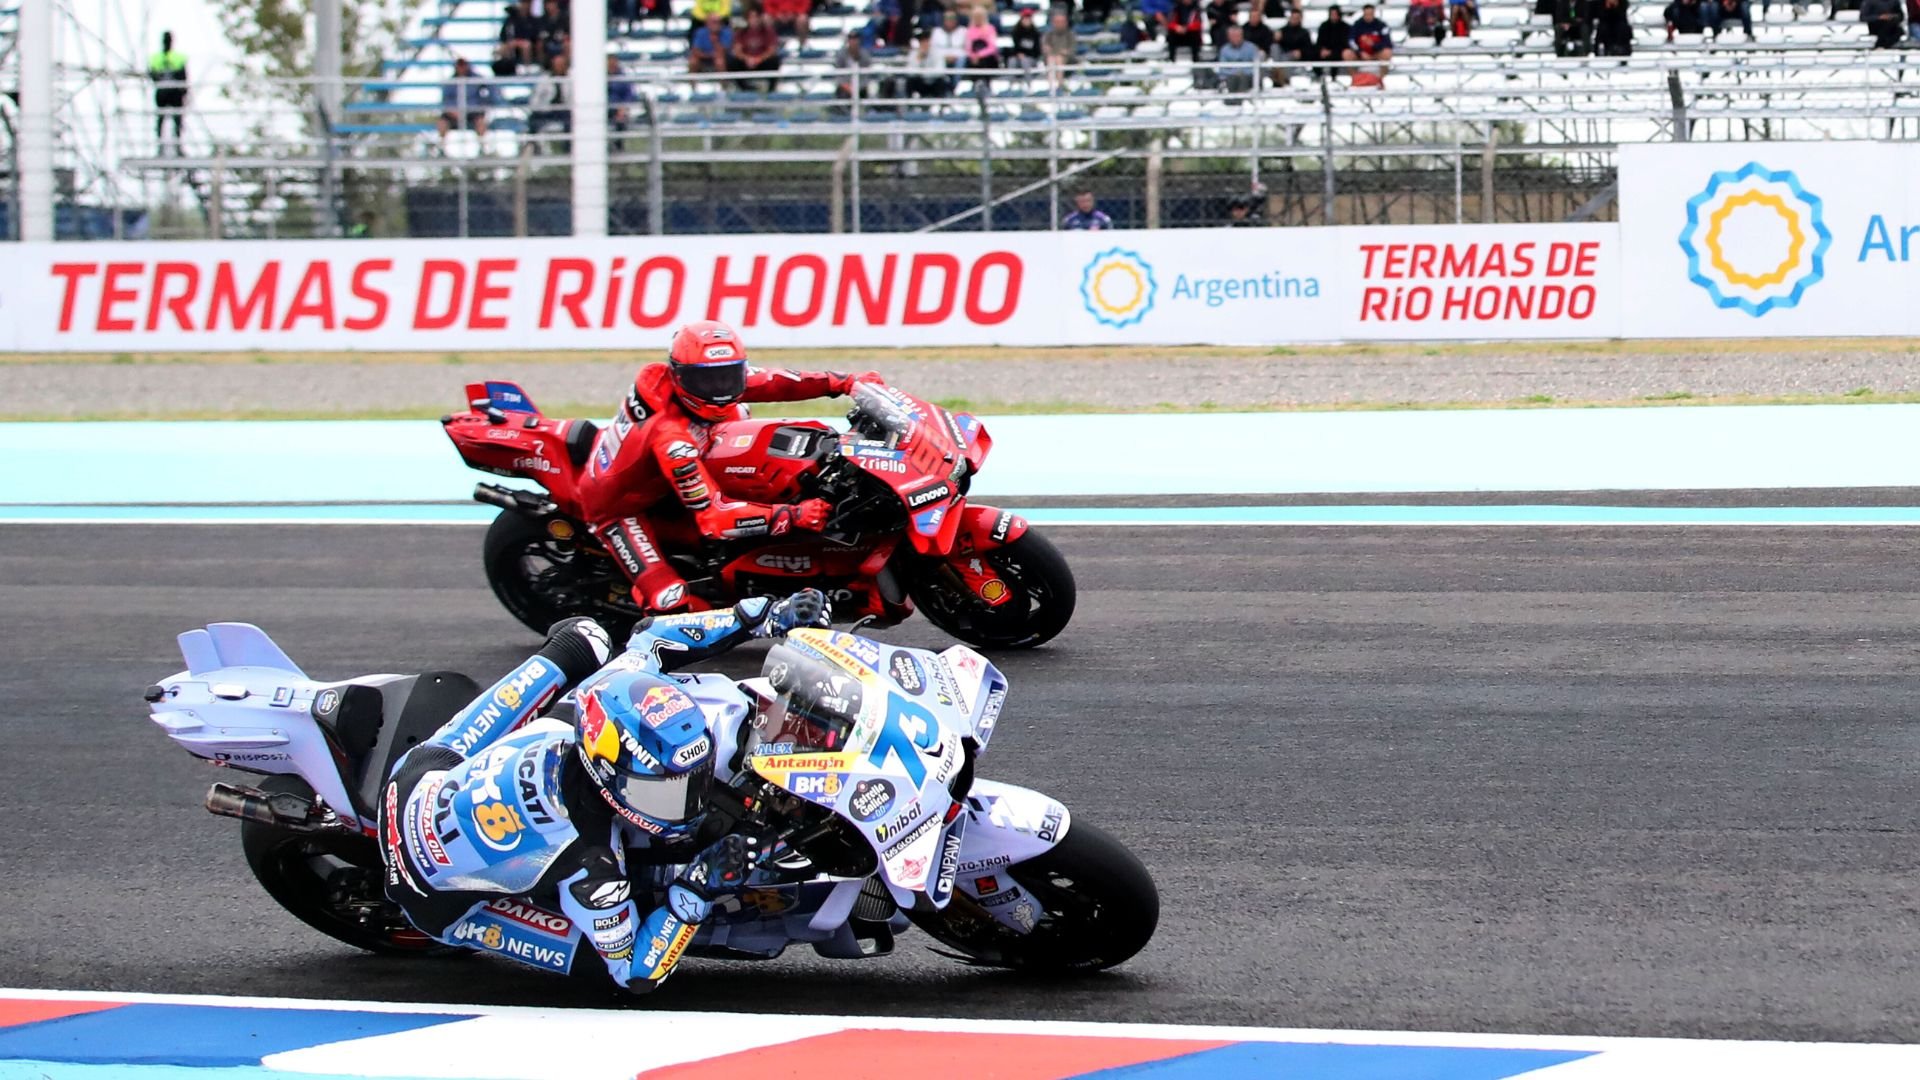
point(645, 745)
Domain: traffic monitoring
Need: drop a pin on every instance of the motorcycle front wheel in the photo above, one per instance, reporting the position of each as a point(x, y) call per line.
point(1098, 906)
point(1039, 604)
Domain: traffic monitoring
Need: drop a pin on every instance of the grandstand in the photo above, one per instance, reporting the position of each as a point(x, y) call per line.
point(1488, 126)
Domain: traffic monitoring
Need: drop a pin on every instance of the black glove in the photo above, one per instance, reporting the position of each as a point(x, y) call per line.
point(578, 647)
point(808, 607)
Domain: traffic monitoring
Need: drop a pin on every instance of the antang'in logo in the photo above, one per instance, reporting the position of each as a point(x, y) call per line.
point(1755, 239)
point(1117, 287)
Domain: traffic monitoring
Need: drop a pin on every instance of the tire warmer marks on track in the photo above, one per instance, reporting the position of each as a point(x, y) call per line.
point(74, 1036)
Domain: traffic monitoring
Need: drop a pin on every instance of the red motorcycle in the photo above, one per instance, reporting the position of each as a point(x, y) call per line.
point(901, 532)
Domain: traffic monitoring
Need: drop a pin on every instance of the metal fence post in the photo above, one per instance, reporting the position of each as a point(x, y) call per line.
point(1326, 152)
point(1680, 133)
point(1155, 164)
point(460, 186)
point(1488, 150)
point(1459, 178)
point(520, 170)
point(858, 207)
point(656, 173)
point(216, 197)
point(986, 156)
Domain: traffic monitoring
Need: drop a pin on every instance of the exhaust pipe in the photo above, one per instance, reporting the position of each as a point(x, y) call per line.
point(283, 809)
point(525, 502)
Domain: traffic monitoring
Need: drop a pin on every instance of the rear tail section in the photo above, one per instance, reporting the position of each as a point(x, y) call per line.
point(498, 394)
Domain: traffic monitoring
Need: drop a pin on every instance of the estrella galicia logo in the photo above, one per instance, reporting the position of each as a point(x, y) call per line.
point(1117, 287)
point(1755, 239)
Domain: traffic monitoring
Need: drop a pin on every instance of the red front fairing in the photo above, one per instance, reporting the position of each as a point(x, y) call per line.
point(502, 433)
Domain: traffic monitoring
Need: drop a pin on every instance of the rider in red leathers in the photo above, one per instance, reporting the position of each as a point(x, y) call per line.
point(651, 453)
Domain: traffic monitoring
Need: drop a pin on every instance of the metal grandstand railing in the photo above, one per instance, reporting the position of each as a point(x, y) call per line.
point(1451, 135)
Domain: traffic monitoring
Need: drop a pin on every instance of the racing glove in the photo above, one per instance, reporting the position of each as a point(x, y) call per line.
point(717, 872)
point(811, 514)
point(843, 384)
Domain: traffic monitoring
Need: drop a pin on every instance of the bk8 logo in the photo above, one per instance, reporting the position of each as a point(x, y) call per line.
point(820, 787)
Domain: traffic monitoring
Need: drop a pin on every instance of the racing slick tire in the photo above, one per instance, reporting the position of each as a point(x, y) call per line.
point(1039, 607)
point(328, 882)
point(536, 577)
point(1099, 905)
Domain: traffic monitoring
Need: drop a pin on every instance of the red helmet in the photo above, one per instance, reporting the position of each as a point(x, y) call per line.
point(709, 367)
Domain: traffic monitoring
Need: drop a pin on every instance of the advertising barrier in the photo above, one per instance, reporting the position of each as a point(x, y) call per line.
point(1225, 286)
point(1769, 239)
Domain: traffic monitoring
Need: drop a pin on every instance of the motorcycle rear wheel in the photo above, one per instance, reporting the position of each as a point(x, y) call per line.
point(1039, 607)
point(530, 573)
point(313, 878)
point(1100, 907)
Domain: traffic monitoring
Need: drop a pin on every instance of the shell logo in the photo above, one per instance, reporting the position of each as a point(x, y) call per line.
point(1117, 287)
point(1755, 239)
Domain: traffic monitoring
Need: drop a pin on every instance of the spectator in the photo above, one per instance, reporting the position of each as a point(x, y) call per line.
point(1258, 31)
point(1154, 13)
point(555, 29)
point(949, 42)
point(1239, 61)
point(705, 9)
point(982, 41)
point(464, 100)
point(1369, 40)
point(1025, 53)
point(1732, 11)
point(621, 97)
point(1883, 21)
point(1330, 41)
point(712, 47)
point(1427, 18)
point(1572, 27)
point(756, 48)
point(926, 76)
point(1061, 48)
point(504, 65)
point(1085, 215)
point(1220, 15)
point(794, 18)
point(168, 70)
point(623, 13)
point(520, 32)
point(1293, 43)
point(852, 56)
point(1613, 31)
point(547, 108)
point(1239, 214)
point(1464, 15)
point(889, 25)
point(1685, 17)
point(1182, 26)
point(1913, 20)
point(1132, 32)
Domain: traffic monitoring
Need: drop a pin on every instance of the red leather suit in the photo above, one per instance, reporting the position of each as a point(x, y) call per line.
point(645, 479)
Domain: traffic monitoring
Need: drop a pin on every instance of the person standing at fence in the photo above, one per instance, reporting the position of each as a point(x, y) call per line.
point(168, 70)
point(1085, 215)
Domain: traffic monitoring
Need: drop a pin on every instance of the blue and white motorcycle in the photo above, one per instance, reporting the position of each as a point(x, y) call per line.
point(851, 759)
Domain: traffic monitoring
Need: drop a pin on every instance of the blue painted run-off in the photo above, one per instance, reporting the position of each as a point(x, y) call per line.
point(202, 1036)
point(475, 514)
point(1272, 1061)
point(1246, 453)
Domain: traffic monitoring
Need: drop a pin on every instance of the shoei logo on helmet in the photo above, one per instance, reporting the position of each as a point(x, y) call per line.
point(720, 352)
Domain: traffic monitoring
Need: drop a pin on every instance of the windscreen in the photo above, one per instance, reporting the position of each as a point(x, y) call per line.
point(815, 707)
point(886, 412)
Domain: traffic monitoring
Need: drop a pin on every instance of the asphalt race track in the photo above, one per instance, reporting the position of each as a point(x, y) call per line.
point(1635, 781)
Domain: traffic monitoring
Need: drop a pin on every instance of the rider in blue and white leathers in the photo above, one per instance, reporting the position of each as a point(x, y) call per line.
point(502, 813)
